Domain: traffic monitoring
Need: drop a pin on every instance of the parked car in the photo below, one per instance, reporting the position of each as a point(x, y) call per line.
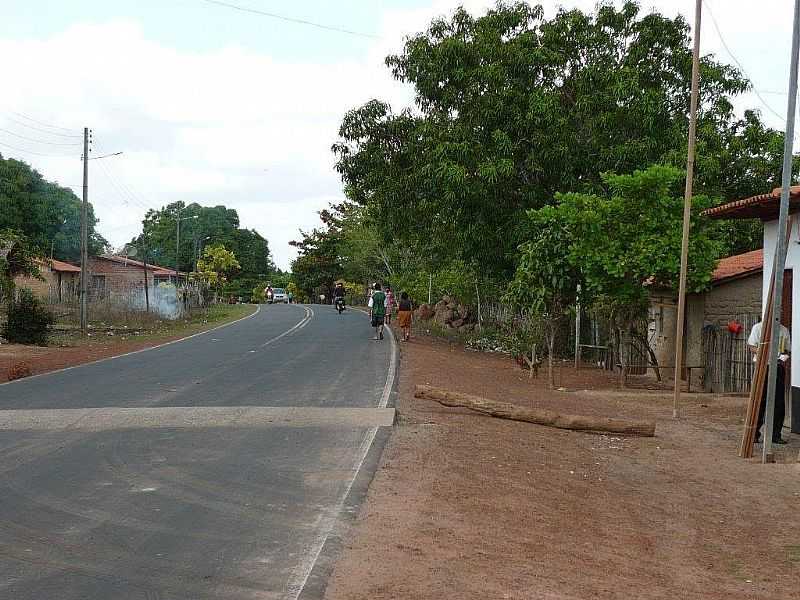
point(279, 296)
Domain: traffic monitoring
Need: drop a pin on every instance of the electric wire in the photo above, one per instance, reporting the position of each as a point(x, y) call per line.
point(28, 139)
point(40, 130)
point(42, 123)
point(290, 19)
point(125, 195)
point(137, 198)
point(739, 64)
point(25, 151)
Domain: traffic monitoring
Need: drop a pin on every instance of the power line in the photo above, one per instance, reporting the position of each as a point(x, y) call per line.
point(739, 64)
point(42, 123)
point(24, 151)
point(40, 130)
point(27, 139)
point(291, 19)
point(125, 195)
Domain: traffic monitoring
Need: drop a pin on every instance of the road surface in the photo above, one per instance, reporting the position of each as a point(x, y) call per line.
point(217, 467)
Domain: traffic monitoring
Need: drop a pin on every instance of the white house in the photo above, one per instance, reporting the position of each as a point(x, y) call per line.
point(765, 208)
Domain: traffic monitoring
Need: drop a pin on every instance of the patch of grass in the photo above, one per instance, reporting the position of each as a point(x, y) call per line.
point(793, 553)
point(198, 320)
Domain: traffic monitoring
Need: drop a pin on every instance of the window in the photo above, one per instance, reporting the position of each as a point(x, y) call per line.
point(99, 286)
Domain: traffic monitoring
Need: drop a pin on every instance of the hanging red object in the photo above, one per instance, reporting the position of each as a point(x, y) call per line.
point(735, 327)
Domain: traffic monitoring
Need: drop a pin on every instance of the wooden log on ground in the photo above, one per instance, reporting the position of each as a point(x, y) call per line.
point(549, 418)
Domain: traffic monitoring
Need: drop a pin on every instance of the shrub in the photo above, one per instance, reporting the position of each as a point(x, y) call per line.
point(29, 321)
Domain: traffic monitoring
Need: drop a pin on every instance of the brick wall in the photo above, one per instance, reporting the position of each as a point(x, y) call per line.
point(37, 286)
point(724, 302)
point(49, 287)
point(119, 277)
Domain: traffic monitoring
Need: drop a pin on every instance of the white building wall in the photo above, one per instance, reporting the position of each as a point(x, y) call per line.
point(792, 262)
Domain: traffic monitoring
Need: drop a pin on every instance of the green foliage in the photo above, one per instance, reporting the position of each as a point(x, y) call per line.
point(48, 215)
point(18, 260)
point(29, 321)
point(297, 294)
point(513, 107)
point(216, 265)
point(201, 227)
point(257, 295)
point(629, 238)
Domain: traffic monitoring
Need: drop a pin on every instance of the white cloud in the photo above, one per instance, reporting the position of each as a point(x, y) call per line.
point(244, 129)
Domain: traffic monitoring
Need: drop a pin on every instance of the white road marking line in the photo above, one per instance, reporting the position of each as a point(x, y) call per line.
point(300, 324)
point(94, 362)
point(327, 520)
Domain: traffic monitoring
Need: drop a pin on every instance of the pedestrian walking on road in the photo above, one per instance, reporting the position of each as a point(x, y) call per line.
point(390, 302)
point(377, 310)
point(405, 315)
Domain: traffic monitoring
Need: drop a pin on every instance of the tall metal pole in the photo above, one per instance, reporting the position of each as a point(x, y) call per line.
point(687, 206)
point(85, 234)
point(781, 245)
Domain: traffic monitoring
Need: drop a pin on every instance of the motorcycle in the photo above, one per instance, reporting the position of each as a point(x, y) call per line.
point(339, 303)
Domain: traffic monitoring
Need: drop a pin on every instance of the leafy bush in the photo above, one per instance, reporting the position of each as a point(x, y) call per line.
point(29, 321)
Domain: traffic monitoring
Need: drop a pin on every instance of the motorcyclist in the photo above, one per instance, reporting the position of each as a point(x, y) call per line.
point(338, 294)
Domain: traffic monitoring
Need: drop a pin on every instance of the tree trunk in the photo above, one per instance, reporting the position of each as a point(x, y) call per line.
point(653, 358)
point(549, 418)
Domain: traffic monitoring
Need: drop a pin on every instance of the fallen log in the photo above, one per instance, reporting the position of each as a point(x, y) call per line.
point(549, 418)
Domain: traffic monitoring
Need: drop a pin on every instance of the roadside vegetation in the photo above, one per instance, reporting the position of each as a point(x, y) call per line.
point(541, 154)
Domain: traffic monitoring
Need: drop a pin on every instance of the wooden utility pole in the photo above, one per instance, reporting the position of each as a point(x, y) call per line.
point(177, 249)
point(85, 235)
point(687, 206)
point(781, 248)
point(146, 291)
point(578, 329)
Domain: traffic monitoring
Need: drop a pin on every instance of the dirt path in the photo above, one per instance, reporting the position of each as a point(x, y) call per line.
point(100, 345)
point(469, 507)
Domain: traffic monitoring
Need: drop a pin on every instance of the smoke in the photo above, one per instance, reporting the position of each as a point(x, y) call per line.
point(163, 301)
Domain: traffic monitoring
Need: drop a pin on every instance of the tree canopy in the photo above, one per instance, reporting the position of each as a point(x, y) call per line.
point(203, 227)
point(513, 107)
point(46, 214)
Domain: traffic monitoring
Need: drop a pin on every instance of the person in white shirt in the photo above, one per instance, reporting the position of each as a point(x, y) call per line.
point(784, 346)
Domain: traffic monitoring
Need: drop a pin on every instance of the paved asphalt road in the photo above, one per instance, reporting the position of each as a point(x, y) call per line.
point(189, 478)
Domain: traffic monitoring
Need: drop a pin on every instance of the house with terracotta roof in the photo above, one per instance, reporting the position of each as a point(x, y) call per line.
point(717, 323)
point(765, 208)
point(111, 274)
point(59, 280)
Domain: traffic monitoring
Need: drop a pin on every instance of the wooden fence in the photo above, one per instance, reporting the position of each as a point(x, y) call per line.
point(728, 362)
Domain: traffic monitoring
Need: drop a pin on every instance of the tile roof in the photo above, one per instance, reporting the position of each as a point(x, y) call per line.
point(737, 266)
point(762, 206)
point(64, 267)
point(125, 260)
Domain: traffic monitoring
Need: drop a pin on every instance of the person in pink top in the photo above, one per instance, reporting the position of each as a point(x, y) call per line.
point(390, 302)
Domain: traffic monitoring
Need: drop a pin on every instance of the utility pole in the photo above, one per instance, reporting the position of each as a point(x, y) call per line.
point(85, 234)
point(146, 285)
point(687, 206)
point(578, 329)
point(177, 249)
point(781, 246)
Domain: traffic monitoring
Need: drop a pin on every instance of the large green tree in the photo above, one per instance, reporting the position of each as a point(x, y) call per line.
point(512, 107)
point(203, 226)
point(46, 214)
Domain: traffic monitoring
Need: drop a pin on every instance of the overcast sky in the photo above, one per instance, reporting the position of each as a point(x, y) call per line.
point(216, 106)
